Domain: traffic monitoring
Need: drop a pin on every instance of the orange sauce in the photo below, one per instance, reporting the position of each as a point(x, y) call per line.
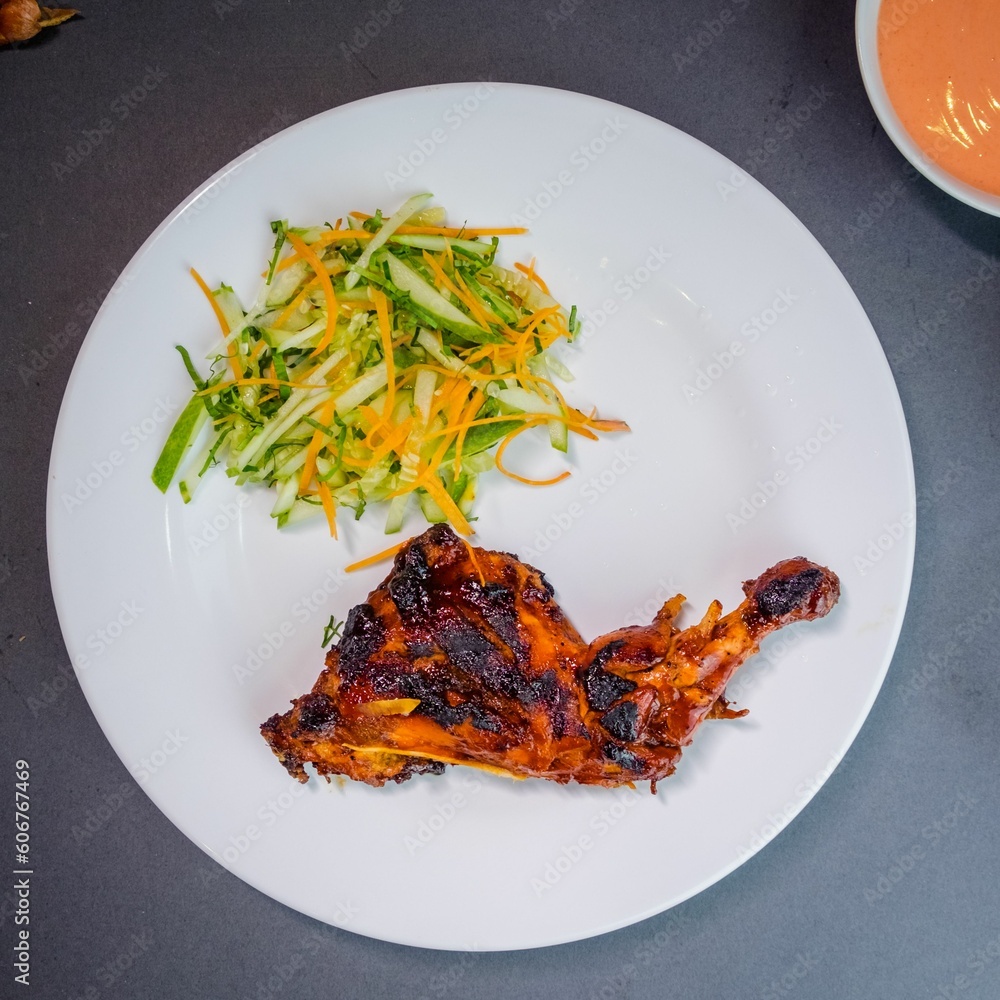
point(940, 61)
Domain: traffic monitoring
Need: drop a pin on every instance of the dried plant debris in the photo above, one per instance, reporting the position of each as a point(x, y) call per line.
point(23, 19)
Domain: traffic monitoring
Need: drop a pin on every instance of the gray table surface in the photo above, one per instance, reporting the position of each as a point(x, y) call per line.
point(886, 885)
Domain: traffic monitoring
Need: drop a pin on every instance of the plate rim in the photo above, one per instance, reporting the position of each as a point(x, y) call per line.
point(61, 599)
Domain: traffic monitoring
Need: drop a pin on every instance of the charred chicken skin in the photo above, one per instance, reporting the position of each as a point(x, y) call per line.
point(462, 656)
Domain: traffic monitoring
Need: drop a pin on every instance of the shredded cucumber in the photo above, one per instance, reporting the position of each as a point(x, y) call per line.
point(425, 295)
point(435, 355)
point(408, 208)
point(192, 417)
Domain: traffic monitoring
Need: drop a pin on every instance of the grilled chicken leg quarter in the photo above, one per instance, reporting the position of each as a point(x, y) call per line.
point(461, 656)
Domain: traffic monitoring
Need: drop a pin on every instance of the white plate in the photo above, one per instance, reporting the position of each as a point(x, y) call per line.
point(188, 626)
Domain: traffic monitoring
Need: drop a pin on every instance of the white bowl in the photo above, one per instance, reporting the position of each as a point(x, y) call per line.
point(866, 31)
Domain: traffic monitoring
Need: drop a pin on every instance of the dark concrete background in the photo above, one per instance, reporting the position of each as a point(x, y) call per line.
point(840, 904)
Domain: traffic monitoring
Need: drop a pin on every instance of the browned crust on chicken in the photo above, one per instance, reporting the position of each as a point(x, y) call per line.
point(489, 672)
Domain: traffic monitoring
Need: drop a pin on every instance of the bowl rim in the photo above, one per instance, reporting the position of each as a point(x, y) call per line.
point(866, 37)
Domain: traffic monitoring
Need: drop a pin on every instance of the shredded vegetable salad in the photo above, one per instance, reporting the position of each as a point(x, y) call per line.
point(388, 360)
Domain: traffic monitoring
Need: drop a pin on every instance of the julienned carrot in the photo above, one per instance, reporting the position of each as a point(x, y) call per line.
point(313, 449)
point(324, 240)
point(429, 469)
point(329, 507)
point(312, 259)
point(371, 415)
point(575, 421)
point(344, 236)
point(608, 425)
point(456, 389)
point(478, 422)
point(393, 441)
point(297, 301)
point(475, 562)
point(529, 271)
point(232, 349)
point(443, 499)
point(377, 558)
point(447, 282)
point(513, 475)
point(463, 234)
point(457, 232)
point(485, 315)
point(471, 410)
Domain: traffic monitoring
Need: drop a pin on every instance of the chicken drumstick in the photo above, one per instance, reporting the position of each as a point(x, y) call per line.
point(461, 656)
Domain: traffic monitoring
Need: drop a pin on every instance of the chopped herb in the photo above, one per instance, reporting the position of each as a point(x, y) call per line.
point(331, 631)
point(328, 431)
point(359, 508)
point(199, 382)
point(374, 224)
point(278, 228)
